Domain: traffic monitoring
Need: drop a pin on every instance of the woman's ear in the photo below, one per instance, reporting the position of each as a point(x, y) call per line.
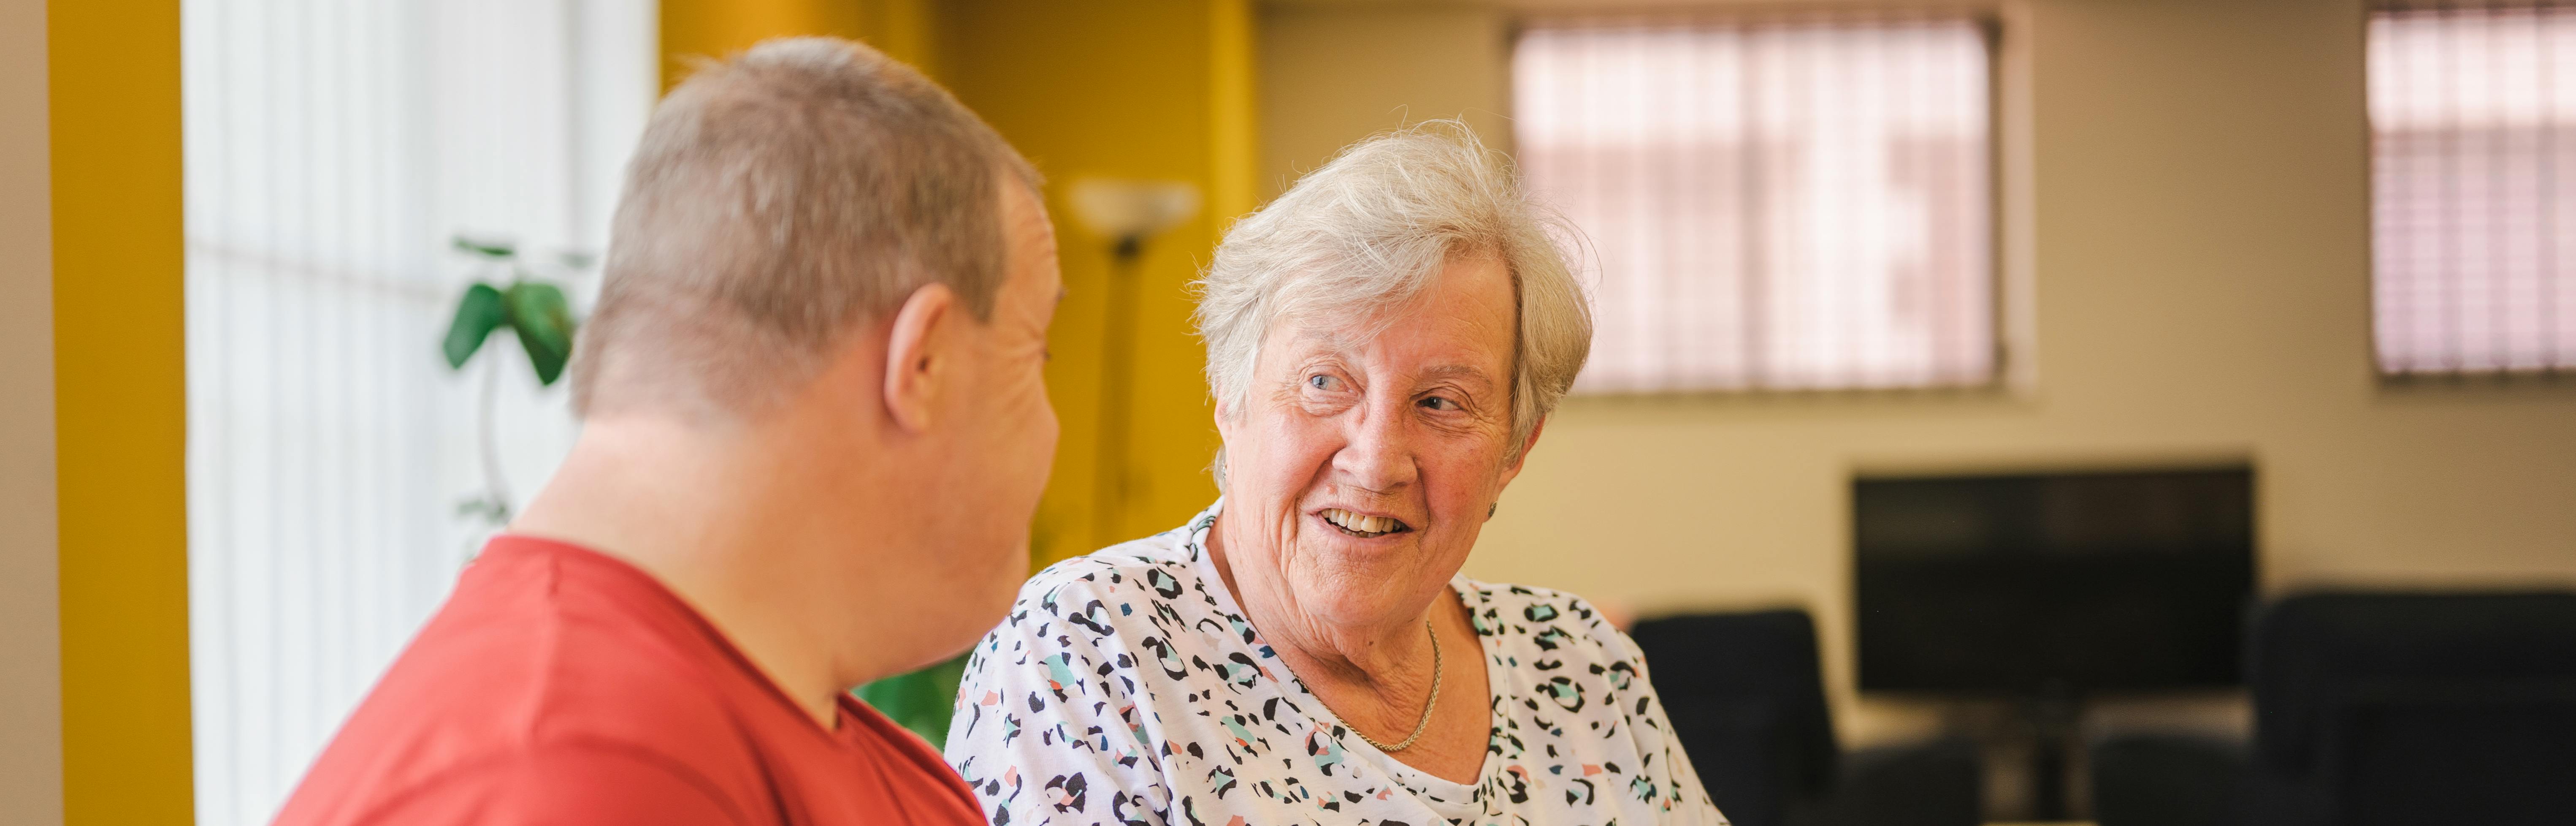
point(1513, 470)
point(919, 352)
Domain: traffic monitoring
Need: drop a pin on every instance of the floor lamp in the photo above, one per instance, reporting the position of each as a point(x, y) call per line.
point(1126, 213)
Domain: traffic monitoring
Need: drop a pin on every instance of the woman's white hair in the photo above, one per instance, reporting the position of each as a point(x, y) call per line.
point(1368, 232)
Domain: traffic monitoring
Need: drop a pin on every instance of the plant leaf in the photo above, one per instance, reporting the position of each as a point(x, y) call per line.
point(480, 313)
point(501, 250)
point(545, 326)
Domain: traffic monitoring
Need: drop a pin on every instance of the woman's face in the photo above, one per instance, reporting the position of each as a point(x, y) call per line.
point(1360, 470)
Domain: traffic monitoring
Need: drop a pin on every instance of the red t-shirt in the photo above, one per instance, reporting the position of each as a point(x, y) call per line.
point(559, 685)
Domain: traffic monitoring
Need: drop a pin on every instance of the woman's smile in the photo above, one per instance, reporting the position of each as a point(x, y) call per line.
point(1363, 525)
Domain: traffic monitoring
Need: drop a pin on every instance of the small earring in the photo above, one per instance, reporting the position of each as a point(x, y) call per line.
point(1490, 507)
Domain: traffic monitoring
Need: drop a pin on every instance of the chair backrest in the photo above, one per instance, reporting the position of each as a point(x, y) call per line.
point(2398, 706)
point(1747, 700)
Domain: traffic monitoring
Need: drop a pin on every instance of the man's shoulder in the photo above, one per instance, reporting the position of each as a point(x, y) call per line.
point(500, 679)
point(557, 783)
point(576, 665)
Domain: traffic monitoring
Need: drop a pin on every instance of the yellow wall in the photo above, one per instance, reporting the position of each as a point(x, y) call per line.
point(31, 677)
point(2188, 184)
point(716, 28)
point(120, 409)
point(1147, 89)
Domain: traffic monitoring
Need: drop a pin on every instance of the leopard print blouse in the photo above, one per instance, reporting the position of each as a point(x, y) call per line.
point(1126, 687)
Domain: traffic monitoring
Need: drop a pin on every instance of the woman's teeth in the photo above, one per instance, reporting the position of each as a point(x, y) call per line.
point(1363, 525)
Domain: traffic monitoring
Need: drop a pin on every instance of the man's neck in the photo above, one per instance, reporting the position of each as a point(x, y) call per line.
point(698, 512)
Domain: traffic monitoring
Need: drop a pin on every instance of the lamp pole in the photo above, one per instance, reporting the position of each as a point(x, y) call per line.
point(1117, 379)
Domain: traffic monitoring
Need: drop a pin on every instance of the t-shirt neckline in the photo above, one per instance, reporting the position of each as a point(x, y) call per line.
point(851, 721)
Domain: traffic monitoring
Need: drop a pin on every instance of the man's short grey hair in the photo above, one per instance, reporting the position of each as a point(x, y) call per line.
point(1369, 231)
point(778, 200)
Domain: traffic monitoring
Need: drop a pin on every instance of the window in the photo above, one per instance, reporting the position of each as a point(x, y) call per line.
point(2473, 188)
point(332, 150)
point(1793, 205)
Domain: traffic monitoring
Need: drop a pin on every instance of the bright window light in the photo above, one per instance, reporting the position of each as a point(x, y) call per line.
point(1774, 205)
point(2473, 189)
point(332, 151)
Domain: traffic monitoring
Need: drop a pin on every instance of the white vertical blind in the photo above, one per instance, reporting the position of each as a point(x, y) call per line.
point(1797, 204)
point(332, 150)
point(2473, 122)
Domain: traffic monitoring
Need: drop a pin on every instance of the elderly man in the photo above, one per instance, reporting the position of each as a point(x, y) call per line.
point(815, 427)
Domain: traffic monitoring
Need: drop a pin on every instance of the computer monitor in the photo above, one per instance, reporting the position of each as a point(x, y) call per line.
point(2052, 583)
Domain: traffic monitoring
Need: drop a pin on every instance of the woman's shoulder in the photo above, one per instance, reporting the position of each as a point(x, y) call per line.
point(1547, 619)
point(1160, 559)
point(1150, 581)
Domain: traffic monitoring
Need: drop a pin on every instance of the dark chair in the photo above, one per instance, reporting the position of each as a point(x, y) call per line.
point(1747, 700)
point(1940, 783)
point(2167, 780)
point(2400, 708)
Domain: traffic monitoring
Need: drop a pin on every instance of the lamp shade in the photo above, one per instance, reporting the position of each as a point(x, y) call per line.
point(1121, 208)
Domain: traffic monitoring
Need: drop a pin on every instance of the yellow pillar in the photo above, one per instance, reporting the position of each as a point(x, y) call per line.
point(120, 410)
point(1152, 89)
point(1233, 112)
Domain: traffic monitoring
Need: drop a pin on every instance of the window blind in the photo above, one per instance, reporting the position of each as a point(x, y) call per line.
point(1795, 204)
point(2473, 188)
point(332, 150)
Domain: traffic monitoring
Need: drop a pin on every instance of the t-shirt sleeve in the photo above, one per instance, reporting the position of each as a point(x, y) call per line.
point(1667, 773)
point(1052, 724)
point(564, 785)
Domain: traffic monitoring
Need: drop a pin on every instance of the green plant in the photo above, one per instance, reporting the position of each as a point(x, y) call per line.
point(922, 701)
point(531, 310)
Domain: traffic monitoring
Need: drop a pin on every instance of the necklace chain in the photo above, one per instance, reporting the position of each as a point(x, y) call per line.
point(1425, 723)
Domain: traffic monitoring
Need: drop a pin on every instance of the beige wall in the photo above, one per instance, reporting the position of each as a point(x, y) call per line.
point(2187, 186)
point(31, 767)
point(1332, 74)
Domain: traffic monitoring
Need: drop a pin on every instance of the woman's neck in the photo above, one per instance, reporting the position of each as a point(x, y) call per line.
point(1390, 655)
point(1378, 679)
point(1375, 675)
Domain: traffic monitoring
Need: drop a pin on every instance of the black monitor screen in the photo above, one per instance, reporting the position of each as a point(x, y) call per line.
point(2052, 582)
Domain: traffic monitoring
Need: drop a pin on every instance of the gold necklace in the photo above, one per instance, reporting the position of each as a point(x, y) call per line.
point(1425, 722)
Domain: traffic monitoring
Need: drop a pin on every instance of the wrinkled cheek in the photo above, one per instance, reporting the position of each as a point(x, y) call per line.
point(1350, 574)
point(1362, 592)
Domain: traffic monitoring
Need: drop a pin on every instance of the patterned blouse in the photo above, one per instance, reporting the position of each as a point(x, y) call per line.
point(1126, 687)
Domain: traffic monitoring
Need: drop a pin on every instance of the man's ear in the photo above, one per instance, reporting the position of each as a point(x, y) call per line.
point(919, 349)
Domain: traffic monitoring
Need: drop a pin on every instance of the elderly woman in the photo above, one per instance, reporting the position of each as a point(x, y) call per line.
point(1384, 342)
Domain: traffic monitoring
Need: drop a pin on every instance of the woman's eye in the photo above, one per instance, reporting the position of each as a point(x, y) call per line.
point(1439, 403)
point(1323, 382)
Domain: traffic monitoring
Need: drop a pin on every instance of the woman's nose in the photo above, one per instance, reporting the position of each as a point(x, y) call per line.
point(1379, 455)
